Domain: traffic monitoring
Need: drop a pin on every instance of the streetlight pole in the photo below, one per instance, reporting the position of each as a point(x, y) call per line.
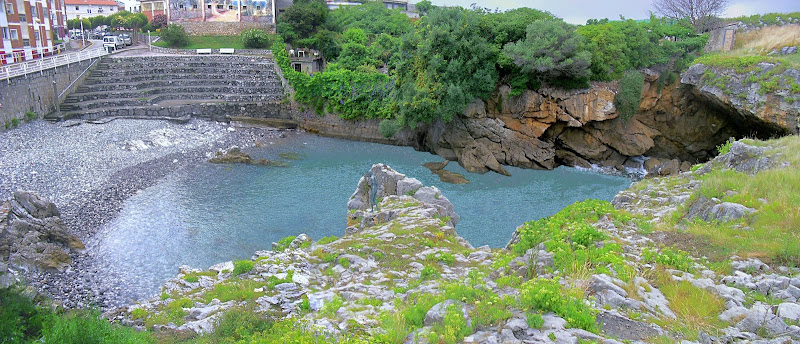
point(150, 44)
point(83, 40)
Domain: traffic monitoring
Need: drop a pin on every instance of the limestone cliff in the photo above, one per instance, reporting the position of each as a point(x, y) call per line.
point(551, 127)
point(765, 95)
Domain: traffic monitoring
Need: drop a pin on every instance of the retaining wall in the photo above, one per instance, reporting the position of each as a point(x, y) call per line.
point(38, 91)
point(223, 28)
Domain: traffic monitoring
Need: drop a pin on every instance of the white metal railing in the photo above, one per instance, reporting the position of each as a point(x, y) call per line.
point(12, 70)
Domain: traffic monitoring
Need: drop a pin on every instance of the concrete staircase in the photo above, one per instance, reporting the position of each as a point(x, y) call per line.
point(175, 87)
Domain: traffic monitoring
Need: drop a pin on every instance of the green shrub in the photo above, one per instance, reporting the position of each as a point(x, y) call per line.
point(668, 257)
point(327, 240)
point(14, 122)
point(428, 273)
point(284, 243)
point(237, 325)
point(242, 266)
point(191, 278)
point(30, 116)
point(175, 36)
point(452, 329)
point(89, 327)
point(333, 305)
point(629, 96)
point(546, 295)
point(344, 262)
point(725, 147)
point(255, 38)
point(535, 320)
point(388, 128)
point(20, 319)
point(138, 313)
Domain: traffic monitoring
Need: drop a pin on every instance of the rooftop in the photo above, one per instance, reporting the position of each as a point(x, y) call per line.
point(91, 2)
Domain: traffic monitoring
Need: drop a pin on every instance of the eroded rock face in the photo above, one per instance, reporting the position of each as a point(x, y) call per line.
point(392, 183)
point(550, 127)
point(743, 94)
point(33, 237)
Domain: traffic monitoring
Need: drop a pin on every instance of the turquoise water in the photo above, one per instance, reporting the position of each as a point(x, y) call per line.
point(214, 213)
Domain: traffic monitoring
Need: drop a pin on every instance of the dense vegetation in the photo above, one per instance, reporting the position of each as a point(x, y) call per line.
point(385, 65)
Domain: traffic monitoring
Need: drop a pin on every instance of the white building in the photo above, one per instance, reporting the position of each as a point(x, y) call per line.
point(29, 29)
point(90, 8)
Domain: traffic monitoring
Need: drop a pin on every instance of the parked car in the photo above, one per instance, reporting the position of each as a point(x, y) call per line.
point(126, 38)
point(113, 42)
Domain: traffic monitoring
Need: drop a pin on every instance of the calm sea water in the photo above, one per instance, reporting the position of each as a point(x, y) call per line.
point(214, 213)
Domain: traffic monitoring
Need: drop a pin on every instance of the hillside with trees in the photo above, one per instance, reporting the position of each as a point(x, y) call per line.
point(385, 65)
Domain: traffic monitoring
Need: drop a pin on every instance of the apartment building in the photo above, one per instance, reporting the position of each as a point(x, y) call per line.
point(29, 28)
point(90, 8)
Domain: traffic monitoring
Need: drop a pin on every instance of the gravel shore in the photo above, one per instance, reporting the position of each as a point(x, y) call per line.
point(88, 171)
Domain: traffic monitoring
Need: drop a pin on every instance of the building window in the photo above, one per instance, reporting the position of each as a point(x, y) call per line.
point(36, 36)
point(219, 7)
point(230, 7)
point(209, 7)
point(26, 42)
point(5, 33)
point(34, 13)
point(180, 6)
point(194, 6)
point(23, 18)
point(88, 10)
point(45, 13)
point(76, 8)
point(14, 34)
point(9, 8)
point(258, 8)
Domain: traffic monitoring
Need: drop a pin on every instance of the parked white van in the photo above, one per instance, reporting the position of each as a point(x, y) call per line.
point(113, 42)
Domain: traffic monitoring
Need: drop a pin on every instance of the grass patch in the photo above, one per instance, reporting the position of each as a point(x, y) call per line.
point(774, 232)
point(242, 267)
point(696, 309)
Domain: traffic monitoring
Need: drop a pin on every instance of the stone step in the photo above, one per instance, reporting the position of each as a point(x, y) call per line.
point(209, 110)
point(98, 80)
point(168, 70)
point(103, 87)
point(149, 92)
point(188, 64)
point(179, 97)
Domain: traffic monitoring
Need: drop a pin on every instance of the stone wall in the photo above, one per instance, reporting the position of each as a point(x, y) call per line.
point(38, 91)
point(223, 28)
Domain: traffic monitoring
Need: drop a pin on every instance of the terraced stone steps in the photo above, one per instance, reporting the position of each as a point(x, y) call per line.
point(169, 86)
point(152, 91)
point(188, 97)
point(147, 84)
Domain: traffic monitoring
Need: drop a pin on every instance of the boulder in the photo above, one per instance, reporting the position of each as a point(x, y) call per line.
point(727, 211)
point(436, 314)
point(35, 237)
point(393, 183)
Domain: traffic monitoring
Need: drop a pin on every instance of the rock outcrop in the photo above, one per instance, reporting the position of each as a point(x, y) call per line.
point(763, 98)
point(234, 155)
point(392, 183)
point(32, 235)
point(550, 127)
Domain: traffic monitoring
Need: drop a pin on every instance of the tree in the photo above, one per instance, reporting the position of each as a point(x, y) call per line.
point(551, 50)
point(698, 12)
point(175, 36)
point(159, 21)
point(424, 7)
point(302, 19)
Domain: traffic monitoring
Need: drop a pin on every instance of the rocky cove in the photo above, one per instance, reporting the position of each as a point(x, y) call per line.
point(684, 120)
point(539, 129)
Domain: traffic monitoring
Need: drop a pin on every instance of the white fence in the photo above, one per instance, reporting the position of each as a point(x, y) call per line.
point(22, 68)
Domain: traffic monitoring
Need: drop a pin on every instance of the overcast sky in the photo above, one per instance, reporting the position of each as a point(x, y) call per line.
point(577, 11)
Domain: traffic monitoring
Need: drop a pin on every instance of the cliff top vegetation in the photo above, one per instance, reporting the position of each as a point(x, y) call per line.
point(385, 65)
